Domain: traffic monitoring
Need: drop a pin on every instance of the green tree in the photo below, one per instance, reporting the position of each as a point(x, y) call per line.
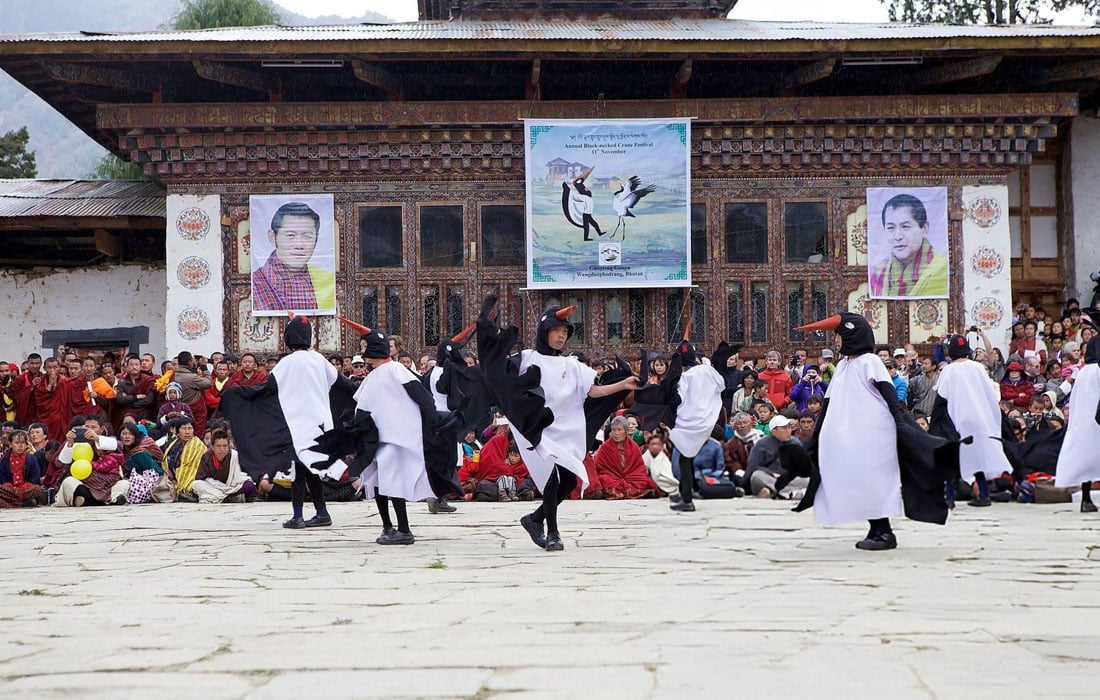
point(982, 11)
point(15, 160)
point(111, 167)
point(211, 14)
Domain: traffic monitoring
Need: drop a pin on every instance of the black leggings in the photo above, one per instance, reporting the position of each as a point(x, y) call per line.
point(687, 478)
point(558, 487)
point(303, 477)
point(399, 510)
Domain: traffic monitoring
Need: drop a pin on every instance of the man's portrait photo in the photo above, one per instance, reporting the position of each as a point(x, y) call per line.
point(293, 254)
point(907, 242)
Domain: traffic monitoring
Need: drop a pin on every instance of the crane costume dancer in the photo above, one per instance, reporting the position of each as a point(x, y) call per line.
point(698, 411)
point(276, 423)
point(1079, 461)
point(554, 406)
point(968, 407)
point(455, 386)
point(415, 455)
point(872, 459)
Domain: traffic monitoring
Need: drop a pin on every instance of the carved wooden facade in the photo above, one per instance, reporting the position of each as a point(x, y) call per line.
point(775, 155)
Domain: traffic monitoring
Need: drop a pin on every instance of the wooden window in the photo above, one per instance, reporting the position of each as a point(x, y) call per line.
point(503, 237)
point(613, 311)
point(698, 234)
point(637, 317)
point(758, 312)
point(676, 313)
point(441, 236)
point(746, 228)
point(735, 312)
point(394, 294)
point(380, 239)
point(805, 225)
point(370, 307)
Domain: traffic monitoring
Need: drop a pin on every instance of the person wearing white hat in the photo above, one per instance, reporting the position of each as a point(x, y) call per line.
point(774, 461)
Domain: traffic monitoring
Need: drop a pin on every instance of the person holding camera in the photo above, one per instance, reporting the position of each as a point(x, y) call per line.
point(811, 384)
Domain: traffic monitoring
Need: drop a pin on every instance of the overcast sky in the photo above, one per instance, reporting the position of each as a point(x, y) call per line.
point(818, 10)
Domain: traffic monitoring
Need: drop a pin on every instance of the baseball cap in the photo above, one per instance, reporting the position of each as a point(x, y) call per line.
point(899, 351)
point(358, 360)
point(779, 421)
point(827, 353)
point(501, 421)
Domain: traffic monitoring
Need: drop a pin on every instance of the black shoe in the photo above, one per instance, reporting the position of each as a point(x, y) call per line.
point(318, 521)
point(885, 540)
point(1088, 506)
point(1000, 497)
point(683, 507)
point(187, 499)
point(554, 543)
point(534, 530)
point(438, 505)
point(396, 537)
point(979, 502)
point(674, 498)
point(294, 524)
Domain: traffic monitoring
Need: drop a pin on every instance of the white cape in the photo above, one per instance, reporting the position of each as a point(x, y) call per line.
point(1079, 460)
point(700, 389)
point(973, 402)
point(304, 378)
point(857, 447)
point(566, 383)
point(398, 470)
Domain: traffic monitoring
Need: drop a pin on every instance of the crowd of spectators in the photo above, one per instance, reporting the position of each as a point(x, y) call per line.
point(81, 431)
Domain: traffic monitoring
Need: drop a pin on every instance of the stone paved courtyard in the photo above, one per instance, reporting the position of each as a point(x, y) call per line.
point(743, 599)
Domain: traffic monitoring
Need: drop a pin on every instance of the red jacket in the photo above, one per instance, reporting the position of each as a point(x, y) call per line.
point(779, 386)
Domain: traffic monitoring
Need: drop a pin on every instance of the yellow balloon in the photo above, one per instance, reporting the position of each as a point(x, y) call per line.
point(82, 450)
point(81, 469)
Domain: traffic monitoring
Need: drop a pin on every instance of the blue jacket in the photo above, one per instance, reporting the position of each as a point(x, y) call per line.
point(32, 474)
point(901, 386)
point(802, 391)
point(708, 462)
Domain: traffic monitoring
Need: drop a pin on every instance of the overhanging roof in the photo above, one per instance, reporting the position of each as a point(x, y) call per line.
point(80, 198)
point(512, 36)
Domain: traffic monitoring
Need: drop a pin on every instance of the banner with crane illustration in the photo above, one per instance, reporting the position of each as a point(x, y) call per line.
point(608, 203)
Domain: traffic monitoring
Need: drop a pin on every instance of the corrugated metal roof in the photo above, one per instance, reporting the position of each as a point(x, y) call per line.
point(571, 29)
point(105, 198)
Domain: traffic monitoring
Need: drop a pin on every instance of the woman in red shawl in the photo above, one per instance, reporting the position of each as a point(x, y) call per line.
point(619, 466)
point(499, 458)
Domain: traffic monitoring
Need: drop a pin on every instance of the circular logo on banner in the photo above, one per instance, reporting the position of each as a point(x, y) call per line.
point(193, 272)
point(927, 313)
point(987, 312)
point(192, 323)
point(192, 224)
point(985, 212)
point(987, 262)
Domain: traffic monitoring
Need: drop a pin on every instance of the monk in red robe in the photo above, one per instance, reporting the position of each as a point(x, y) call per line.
point(136, 393)
point(620, 468)
point(21, 390)
point(51, 399)
point(82, 402)
point(249, 374)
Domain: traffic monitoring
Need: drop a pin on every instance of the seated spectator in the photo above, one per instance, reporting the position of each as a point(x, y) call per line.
point(173, 406)
point(219, 478)
point(136, 393)
point(807, 421)
point(1016, 387)
point(743, 397)
point(143, 462)
point(634, 429)
point(98, 488)
point(658, 465)
point(470, 445)
point(181, 457)
point(250, 374)
point(811, 384)
point(499, 473)
point(774, 462)
point(619, 466)
point(764, 414)
point(814, 404)
point(710, 464)
point(922, 420)
point(20, 474)
point(657, 368)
